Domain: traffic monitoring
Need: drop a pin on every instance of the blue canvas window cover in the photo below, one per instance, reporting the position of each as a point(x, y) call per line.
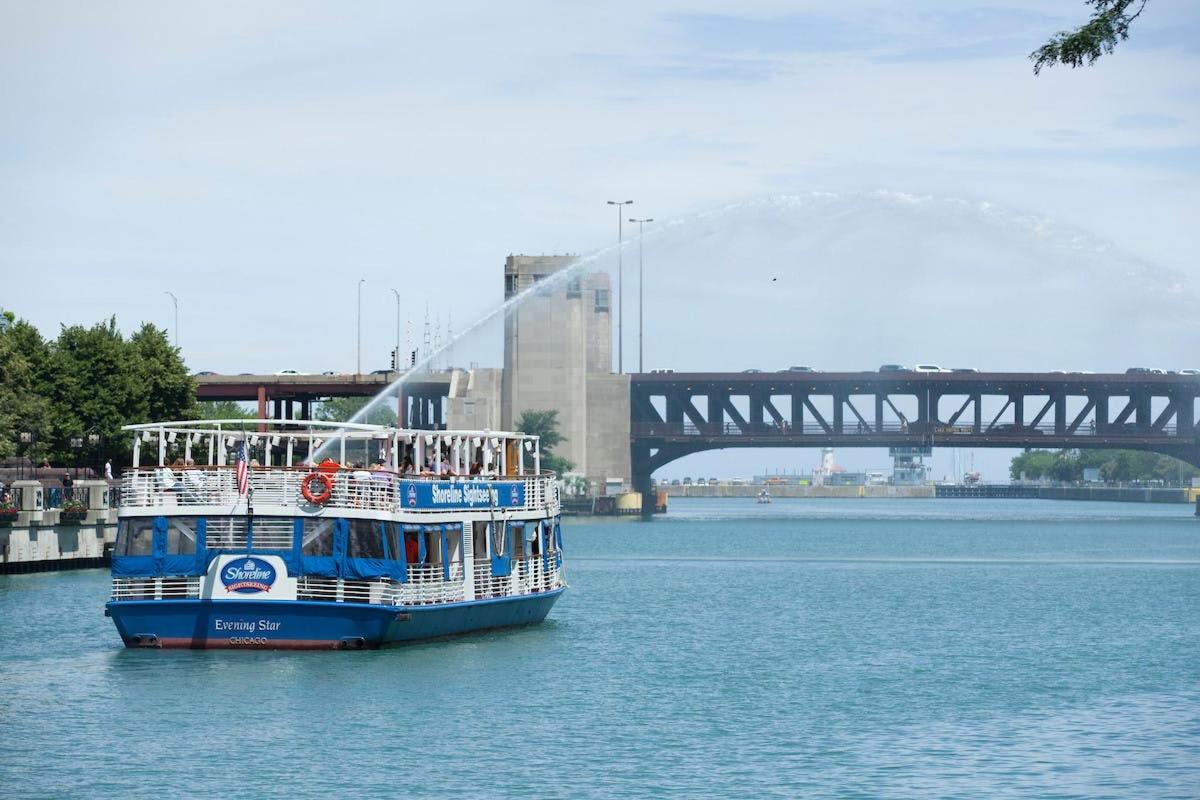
point(343, 563)
point(502, 564)
point(161, 562)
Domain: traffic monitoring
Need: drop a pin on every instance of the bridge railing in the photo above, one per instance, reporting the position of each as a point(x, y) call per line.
point(870, 428)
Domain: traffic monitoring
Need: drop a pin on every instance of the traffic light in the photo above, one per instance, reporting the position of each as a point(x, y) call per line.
point(413, 361)
point(395, 356)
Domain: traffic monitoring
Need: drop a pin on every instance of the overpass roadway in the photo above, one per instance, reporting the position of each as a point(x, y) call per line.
point(291, 396)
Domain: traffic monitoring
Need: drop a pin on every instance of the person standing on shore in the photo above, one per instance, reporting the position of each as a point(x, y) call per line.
point(108, 470)
point(68, 486)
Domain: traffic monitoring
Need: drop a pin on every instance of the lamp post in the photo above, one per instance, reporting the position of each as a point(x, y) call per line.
point(620, 294)
point(641, 234)
point(175, 301)
point(76, 445)
point(396, 360)
point(358, 361)
point(93, 441)
point(27, 438)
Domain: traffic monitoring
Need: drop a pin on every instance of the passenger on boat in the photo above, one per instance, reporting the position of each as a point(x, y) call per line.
point(360, 484)
point(381, 481)
point(407, 467)
point(412, 550)
point(477, 466)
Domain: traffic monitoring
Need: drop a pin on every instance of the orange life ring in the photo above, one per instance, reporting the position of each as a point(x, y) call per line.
point(317, 497)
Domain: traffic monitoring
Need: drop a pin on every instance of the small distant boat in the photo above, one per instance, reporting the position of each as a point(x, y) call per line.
point(763, 497)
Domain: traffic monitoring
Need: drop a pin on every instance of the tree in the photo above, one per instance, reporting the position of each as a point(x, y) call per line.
point(165, 388)
point(23, 406)
point(1115, 466)
point(544, 424)
point(223, 409)
point(1108, 25)
point(91, 388)
point(342, 409)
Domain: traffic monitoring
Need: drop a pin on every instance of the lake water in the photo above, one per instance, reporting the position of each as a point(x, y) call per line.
point(903, 648)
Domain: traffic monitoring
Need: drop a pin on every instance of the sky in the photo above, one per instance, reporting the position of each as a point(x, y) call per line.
point(922, 195)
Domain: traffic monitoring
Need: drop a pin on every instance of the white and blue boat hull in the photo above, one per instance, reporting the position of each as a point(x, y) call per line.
point(308, 625)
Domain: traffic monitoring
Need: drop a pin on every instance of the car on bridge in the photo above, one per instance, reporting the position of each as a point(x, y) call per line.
point(1145, 371)
point(929, 368)
point(798, 369)
point(1011, 427)
point(895, 368)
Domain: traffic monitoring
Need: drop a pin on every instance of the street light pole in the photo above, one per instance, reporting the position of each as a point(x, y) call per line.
point(175, 301)
point(358, 362)
point(396, 365)
point(641, 234)
point(620, 293)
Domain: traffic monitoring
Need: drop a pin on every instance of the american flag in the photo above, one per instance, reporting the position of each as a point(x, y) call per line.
point(243, 477)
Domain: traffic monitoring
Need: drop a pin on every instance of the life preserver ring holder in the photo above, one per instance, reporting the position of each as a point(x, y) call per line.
point(314, 495)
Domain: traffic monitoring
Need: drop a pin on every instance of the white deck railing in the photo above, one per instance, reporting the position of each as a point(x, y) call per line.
point(182, 487)
point(155, 588)
point(426, 585)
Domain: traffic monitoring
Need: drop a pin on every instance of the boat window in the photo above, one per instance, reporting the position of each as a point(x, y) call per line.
point(273, 533)
point(393, 539)
point(225, 532)
point(181, 535)
point(318, 537)
point(366, 539)
point(135, 537)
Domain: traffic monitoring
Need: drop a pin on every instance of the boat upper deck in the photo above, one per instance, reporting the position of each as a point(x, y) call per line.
point(301, 467)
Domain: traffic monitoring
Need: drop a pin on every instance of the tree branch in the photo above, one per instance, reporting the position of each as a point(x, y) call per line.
point(1108, 25)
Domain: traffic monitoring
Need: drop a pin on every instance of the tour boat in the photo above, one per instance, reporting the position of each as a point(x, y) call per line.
point(763, 497)
point(244, 534)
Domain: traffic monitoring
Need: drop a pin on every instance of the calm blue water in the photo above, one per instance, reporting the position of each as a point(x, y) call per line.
point(832, 648)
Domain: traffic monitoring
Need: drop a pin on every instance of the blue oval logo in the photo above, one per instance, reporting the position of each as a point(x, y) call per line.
point(248, 576)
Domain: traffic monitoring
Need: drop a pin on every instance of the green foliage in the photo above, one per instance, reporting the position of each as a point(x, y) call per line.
point(223, 409)
point(166, 389)
point(87, 381)
point(23, 356)
point(341, 409)
point(1115, 466)
point(1108, 25)
point(544, 424)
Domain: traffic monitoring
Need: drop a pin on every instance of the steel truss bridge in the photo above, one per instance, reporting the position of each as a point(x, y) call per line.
point(676, 414)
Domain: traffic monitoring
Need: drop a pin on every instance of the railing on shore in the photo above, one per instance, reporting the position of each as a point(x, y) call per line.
point(373, 490)
point(426, 585)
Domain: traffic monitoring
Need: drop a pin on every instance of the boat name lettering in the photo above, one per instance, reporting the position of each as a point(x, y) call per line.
point(248, 577)
point(470, 495)
point(246, 625)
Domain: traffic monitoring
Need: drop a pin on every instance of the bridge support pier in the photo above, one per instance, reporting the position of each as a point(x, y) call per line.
point(641, 469)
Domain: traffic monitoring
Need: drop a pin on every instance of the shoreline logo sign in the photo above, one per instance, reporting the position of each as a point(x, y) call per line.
point(464, 494)
point(248, 576)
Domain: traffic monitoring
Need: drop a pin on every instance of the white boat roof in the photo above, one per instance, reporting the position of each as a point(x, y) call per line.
point(304, 427)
